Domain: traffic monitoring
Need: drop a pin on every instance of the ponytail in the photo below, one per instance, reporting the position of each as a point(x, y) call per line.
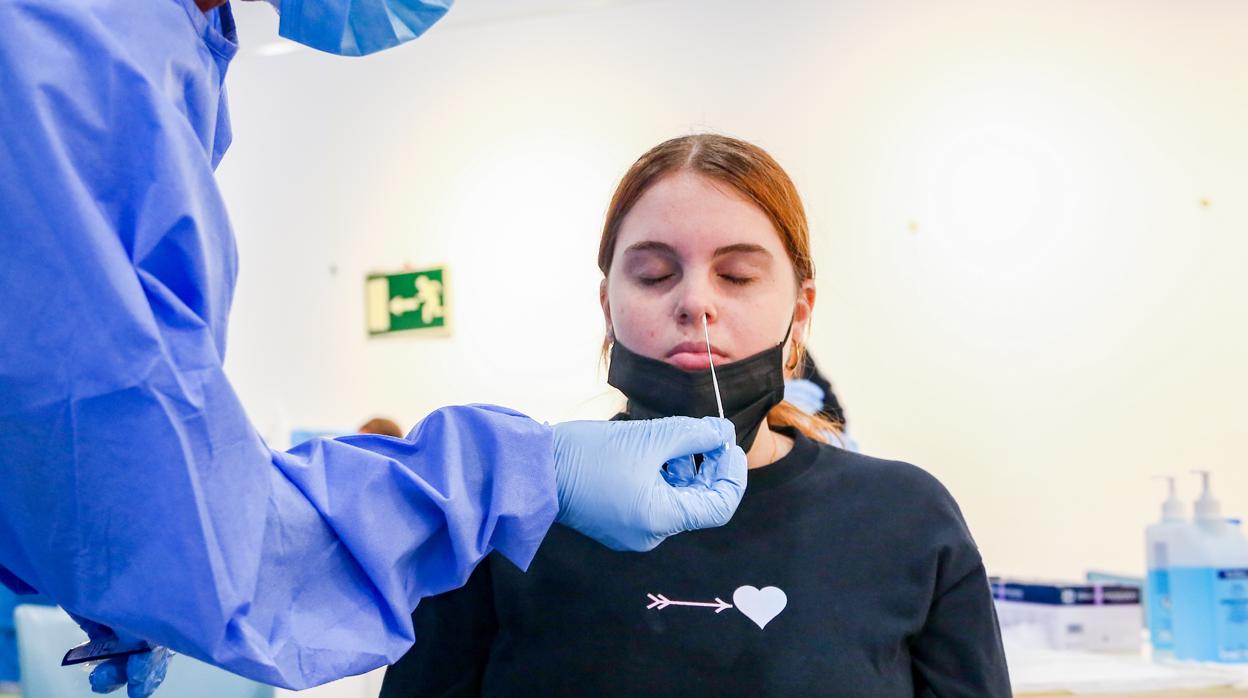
point(814, 426)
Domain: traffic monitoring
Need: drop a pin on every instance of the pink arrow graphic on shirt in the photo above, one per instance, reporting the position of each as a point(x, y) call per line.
point(661, 602)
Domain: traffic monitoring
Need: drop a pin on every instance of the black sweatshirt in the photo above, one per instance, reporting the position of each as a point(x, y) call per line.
point(839, 575)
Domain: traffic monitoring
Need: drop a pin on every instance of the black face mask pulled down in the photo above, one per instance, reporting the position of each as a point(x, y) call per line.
point(749, 388)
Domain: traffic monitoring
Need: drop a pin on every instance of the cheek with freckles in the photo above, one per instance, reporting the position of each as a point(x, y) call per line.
point(640, 325)
point(748, 327)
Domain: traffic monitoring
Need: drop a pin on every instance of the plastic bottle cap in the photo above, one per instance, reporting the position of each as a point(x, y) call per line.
point(1207, 508)
point(1172, 508)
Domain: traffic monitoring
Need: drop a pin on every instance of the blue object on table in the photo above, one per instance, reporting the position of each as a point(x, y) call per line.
point(9, 674)
point(45, 632)
point(300, 436)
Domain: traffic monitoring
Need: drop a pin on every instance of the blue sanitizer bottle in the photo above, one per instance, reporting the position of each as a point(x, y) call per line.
point(1159, 539)
point(1209, 587)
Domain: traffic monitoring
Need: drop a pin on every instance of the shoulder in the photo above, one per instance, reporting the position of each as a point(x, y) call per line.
point(905, 491)
point(92, 59)
point(880, 472)
point(90, 22)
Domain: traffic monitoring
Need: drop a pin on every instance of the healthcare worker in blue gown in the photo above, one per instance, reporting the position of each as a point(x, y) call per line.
point(133, 489)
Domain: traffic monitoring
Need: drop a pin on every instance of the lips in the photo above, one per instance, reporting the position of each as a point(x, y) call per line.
point(692, 356)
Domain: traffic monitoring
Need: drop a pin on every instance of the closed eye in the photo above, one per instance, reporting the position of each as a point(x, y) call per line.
point(653, 280)
point(736, 280)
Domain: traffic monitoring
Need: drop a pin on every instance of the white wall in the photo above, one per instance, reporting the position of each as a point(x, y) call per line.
point(1020, 289)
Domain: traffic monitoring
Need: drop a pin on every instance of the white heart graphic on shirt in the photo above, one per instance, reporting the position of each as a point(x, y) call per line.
point(760, 605)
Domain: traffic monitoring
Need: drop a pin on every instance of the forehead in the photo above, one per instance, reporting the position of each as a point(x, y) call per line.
point(696, 215)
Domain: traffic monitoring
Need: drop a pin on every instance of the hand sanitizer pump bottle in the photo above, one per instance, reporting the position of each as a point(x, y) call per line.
point(1159, 540)
point(1209, 586)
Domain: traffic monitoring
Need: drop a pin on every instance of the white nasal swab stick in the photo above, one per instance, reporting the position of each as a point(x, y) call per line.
point(711, 360)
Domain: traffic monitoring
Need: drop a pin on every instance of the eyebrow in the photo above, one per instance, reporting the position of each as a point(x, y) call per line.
point(666, 249)
point(742, 248)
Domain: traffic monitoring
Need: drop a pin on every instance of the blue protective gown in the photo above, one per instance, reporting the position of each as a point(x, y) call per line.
point(133, 489)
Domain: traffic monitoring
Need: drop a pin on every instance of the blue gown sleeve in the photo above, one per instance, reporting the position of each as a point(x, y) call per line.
point(133, 489)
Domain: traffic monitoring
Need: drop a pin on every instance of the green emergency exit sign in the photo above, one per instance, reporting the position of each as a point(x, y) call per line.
point(408, 300)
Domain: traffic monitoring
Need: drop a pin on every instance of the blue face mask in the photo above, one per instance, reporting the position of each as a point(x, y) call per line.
point(357, 27)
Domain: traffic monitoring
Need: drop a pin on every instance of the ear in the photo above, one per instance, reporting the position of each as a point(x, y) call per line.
point(804, 308)
point(801, 323)
point(606, 309)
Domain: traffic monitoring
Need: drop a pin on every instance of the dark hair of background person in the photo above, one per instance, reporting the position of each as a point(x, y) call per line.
point(383, 426)
point(832, 410)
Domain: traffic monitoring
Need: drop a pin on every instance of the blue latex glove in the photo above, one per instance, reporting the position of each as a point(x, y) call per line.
point(804, 395)
point(140, 673)
point(611, 486)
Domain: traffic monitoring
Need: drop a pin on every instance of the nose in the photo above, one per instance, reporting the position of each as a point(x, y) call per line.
point(693, 300)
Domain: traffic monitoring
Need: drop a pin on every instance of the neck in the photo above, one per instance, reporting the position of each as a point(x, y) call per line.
point(206, 5)
point(768, 447)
